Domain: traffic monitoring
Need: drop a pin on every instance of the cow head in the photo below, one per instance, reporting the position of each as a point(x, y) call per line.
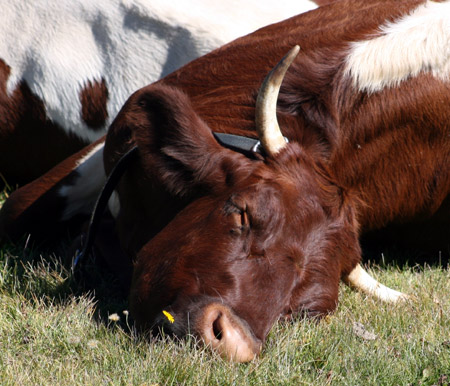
point(244, 242)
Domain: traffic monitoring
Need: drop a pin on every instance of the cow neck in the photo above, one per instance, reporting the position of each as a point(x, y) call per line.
point(248, 146)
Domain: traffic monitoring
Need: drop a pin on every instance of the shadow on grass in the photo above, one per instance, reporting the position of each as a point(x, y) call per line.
point(46, 273)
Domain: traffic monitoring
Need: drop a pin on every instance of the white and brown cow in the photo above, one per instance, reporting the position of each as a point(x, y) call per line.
point(67, 67)
point(228, 243)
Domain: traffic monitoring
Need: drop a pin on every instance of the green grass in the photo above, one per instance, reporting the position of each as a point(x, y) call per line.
point(53, 333)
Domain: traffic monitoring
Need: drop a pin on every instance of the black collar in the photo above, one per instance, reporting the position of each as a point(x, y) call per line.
point(245, 145)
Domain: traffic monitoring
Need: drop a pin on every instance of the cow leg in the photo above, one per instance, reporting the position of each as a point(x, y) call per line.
point(67, 191)
point(361, 280)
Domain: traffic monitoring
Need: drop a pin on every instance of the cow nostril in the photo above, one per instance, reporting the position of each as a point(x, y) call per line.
point(228, 334)
point(217, 327)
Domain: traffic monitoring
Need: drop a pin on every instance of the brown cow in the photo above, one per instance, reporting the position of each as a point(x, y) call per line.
point(227, 244)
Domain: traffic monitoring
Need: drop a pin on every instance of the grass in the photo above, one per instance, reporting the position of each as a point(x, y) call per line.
point(54, 333)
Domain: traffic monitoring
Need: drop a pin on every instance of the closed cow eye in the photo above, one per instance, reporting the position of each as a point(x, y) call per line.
point(240, 220)
point(244, 219)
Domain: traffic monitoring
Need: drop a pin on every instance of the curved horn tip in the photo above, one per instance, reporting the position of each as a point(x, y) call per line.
point(292, 54)
point(267, 126)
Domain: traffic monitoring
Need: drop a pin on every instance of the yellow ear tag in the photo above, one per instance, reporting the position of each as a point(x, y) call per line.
point(168, 316)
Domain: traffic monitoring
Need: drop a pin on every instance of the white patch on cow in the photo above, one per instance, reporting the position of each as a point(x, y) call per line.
point(82, 193)
point(416, 43)
point(114, 204)
point(58, 47)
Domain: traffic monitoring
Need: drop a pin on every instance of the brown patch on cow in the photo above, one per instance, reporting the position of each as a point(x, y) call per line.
point(5, 71)
point(30, 144)
point(93, 98)
point(321, 3)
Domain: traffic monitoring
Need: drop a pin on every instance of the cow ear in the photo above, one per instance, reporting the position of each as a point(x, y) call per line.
point(176, 147)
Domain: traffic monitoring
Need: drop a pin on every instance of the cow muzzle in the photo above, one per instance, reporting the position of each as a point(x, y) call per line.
point(227, 334)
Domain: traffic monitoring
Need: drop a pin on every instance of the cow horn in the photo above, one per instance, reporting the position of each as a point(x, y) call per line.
point(360, 279)
point(267, 126)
